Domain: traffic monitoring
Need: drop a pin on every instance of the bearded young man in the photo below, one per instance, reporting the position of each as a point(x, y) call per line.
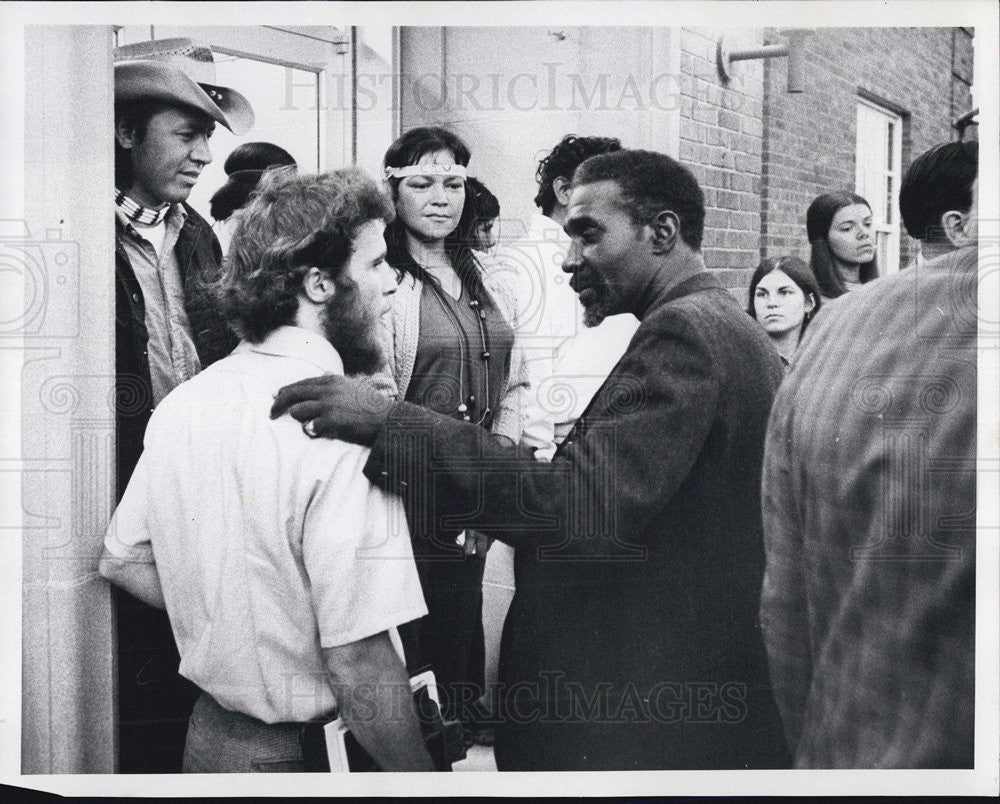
point(633, 640)
point(282, 569)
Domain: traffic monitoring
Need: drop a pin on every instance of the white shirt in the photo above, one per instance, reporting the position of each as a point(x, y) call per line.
point(269, 545)
point(568, 361)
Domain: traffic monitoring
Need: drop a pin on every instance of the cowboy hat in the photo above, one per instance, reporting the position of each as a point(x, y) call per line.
point(179, 71)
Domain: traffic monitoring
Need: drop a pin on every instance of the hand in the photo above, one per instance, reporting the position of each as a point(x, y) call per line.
point(331, 406)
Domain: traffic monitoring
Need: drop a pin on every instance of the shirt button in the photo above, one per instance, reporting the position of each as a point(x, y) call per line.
point(135, 297)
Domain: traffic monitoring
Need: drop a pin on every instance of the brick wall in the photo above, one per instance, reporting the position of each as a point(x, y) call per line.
point(923, 74)
point(721, 140)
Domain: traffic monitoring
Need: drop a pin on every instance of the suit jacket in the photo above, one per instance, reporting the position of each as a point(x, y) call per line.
point(633, 639)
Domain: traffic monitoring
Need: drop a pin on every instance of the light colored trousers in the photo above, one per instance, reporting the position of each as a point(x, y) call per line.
point(220, 741)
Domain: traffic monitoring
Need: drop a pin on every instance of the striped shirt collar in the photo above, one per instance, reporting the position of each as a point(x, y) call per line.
point(139, 214)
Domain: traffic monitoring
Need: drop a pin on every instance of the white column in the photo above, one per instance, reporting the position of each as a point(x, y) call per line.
point(67, 400)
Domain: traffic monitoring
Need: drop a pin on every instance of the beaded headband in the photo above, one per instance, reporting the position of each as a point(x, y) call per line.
point(433, 169)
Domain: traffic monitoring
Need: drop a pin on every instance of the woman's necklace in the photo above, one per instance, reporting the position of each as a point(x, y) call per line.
point(463, 349)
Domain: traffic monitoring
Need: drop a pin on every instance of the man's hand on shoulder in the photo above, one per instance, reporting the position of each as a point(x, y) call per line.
point(332, 406)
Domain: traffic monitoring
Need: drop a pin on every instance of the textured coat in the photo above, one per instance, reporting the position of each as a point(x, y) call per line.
point(633, 640)
point(869, 502)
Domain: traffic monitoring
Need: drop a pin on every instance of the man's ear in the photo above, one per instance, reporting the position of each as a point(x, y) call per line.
point(666, 228)
point(124, 135)
point(317, 286)
point(810, 303)
point(956, 228)
point(562, 189)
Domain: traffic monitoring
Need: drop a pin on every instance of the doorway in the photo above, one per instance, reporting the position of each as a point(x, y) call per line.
point(297, 81)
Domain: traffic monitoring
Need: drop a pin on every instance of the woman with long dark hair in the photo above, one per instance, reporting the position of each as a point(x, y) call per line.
point(839, 226)
point(485, 209)
point(784, 297)
point(453, 351)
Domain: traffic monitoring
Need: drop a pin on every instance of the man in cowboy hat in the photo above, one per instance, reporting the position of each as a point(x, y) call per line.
point(166, 106)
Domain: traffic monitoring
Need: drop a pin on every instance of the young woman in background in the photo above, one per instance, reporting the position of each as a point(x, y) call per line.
point(839, 226)
point(783, 298)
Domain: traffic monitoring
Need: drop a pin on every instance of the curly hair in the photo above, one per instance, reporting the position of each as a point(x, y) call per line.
point(651, 182)
point(563, 160)
point(293, 222)
point(819, 219)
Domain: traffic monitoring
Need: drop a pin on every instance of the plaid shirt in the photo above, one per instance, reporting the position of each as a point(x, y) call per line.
point(869, 500)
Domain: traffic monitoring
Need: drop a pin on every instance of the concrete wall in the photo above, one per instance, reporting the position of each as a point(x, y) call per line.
point(67, 402)
point(513, 93)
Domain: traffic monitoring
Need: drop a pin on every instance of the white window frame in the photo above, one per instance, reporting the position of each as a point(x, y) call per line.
point(323, 50)
point(878, 172)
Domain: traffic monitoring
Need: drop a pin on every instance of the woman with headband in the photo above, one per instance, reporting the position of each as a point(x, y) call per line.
point(453, 351)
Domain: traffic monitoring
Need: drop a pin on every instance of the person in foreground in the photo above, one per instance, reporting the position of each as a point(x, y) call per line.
point(935, 196)
point(633, 639)
point(276, 560)
point(452, 349)
point(870, 521)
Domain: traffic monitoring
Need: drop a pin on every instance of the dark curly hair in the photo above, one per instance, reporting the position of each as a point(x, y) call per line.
point(563, 160)
point(244, 167)
point(651, 182)
point(292, 223)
